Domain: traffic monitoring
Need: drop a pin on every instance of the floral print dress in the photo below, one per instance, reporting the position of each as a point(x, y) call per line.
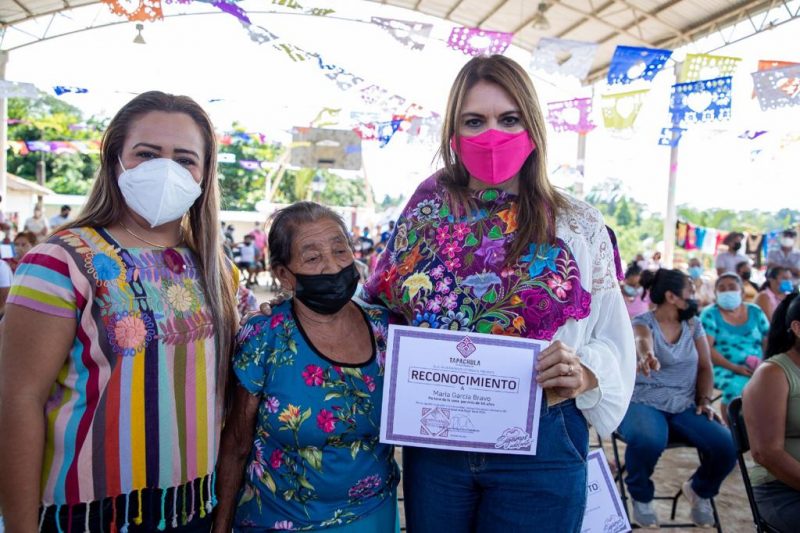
point(316, 461)
point(441, 270)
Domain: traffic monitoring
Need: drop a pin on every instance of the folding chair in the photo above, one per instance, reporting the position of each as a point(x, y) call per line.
point(671, 444)
point(739, 433)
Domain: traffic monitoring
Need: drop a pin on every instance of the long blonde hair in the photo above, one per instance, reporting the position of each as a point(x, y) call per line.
point(539, 202)
point(105, 206)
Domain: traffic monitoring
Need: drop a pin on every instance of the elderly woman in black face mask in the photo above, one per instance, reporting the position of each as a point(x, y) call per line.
point(300, 445)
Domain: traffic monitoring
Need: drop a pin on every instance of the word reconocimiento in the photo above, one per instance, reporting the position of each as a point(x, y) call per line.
point(464, 380)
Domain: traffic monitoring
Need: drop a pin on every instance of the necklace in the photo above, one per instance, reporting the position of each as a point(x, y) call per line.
point(172, 259)
point(154, 245)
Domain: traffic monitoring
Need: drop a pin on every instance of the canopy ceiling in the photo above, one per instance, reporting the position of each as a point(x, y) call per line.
point(653, 23)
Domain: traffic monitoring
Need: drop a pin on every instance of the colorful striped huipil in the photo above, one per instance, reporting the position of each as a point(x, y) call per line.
point(132, 421)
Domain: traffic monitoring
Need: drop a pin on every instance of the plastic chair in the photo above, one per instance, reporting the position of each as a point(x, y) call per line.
point(671, 444)
point(740, 439)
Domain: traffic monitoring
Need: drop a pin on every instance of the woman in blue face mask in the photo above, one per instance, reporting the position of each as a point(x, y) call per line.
point(774, 290)
point(737, 334)
point(300, 447)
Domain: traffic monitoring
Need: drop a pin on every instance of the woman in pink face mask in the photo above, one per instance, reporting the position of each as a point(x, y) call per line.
point(494, 248)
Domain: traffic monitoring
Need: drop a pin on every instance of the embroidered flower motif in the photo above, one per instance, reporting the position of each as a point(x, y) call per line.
point(452, 264)
point(509, 216)
point(401, 238)
point(106, 267)
point(442, 235)
point(370, 383)
point(507, 271)
point(425, 320)
point(313, 376)
point(492, 251)
point(410, 261)
point(460, 231)
point(326, 421)
point(365, 488)
point(179, 297)
point(455, 321)
point(559, 286)
point(272, 404)
point(450, 301)
point(290, 414)
point(276, 459)
point(497, 329)
point(283, 525)
point(544, 315)
point(451, 249)
point(130, 332)
point(417, 282)
point(443, 285)
point(426, 209)
point(434, 304)
point(437, 272)
point(481, 283)
point(519, 323)
point(542, 257)
point(276, 321)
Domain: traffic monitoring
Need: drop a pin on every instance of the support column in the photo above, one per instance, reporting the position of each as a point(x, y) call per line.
point(3, 132)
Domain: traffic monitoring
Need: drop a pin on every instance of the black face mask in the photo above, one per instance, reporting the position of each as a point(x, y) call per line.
point(326, 294)
point(746, 275)
point(690, 311)
point(736, 246)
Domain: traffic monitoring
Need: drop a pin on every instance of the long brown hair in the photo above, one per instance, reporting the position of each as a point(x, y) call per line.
point(105, 206)
point(539, 202)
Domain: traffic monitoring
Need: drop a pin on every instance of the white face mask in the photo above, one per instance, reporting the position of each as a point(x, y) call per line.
point(787, 242)
point(159, 190)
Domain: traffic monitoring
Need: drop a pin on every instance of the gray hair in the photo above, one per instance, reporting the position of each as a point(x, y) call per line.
point(284, 227)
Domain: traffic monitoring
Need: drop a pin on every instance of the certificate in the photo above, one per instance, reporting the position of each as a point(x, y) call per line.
point(461, 391)
point(604, 512)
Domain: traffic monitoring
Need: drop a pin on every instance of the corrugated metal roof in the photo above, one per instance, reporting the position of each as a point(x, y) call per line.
point(654, 23)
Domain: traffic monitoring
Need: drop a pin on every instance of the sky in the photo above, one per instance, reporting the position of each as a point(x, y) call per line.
point(211, 58)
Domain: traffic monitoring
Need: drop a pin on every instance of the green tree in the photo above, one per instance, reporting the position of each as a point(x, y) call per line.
point(49, 119)
point(241, 188)
point(338, 190)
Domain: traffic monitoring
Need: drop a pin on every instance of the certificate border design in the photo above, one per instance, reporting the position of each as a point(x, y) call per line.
point(612, 487)
point(421, 333)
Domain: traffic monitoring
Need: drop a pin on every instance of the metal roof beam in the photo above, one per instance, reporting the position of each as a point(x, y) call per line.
point(452, 9)
point(614, 27)
point(22, 7)
point(491, 13)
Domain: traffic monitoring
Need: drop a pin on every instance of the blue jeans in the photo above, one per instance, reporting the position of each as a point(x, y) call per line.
point(646, 431)
point(464, 492)
point(779, 505)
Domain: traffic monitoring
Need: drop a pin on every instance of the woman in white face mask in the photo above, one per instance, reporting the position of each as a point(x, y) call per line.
point(737, 334)
point(118, 329)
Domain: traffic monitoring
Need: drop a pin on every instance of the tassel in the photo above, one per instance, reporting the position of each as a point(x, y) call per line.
point(69, 519)
point(114, 515)
point(102, 519)
point(191, 511)
point(138, 519)
point(162, 524)
point(202, 504)
point(209, 507)
point(175, 508)
point(214, 488)
point(127, 509)
point(183, 507)
point(58, 519)
point(41, 517)
point(86, 518)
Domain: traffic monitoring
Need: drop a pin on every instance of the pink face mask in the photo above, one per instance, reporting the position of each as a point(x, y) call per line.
point(494, 156)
